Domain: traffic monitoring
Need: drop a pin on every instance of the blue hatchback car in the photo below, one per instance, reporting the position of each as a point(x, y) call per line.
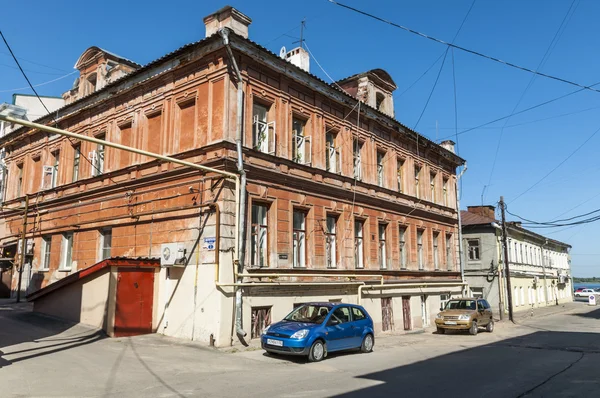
point(314, 329)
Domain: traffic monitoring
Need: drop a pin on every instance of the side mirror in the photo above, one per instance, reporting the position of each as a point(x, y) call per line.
point(441, 307)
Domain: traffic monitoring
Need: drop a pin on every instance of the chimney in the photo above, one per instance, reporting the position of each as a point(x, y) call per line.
point(299, 57)
point(227, 17)
point(448, 145)
point(485, 211)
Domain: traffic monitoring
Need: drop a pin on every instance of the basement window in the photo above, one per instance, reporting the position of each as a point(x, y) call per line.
point(261, 318)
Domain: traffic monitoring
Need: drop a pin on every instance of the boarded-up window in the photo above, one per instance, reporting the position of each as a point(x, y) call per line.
point(127, 140)
point(387, 314)
point(261, 318)
point(153, 140)
point(186, 113)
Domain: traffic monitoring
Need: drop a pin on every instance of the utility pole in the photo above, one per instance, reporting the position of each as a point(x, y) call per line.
point(23, 246)
point(506, 266)
point(544, 272)
point(500, 286)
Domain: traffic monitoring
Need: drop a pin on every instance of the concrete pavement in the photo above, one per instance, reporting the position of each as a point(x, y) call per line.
point(553, 353)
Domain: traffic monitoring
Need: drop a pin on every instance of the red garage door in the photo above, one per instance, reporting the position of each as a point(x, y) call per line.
point(135, 293)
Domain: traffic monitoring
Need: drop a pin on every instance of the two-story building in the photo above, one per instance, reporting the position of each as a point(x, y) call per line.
point(341, 201)
point(540, 267)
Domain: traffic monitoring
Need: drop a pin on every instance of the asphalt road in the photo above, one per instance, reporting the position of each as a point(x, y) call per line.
point(543, 356)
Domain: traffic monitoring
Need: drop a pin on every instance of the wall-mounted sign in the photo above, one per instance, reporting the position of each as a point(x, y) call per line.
point(209, 244)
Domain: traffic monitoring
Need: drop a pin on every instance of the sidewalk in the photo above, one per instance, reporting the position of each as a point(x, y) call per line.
point(546, 311)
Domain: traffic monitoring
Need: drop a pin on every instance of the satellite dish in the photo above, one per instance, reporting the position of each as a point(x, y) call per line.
point(282, 52)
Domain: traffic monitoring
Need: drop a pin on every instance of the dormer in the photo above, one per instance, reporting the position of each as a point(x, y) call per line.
point(374, 88)
point(97, 68)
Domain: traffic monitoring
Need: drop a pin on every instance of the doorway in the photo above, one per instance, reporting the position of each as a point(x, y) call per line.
point(406, 312)
point(424, 311)
point(135, 295)
point(387, 314)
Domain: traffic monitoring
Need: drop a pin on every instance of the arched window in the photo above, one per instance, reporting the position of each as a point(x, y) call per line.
point(379, 98)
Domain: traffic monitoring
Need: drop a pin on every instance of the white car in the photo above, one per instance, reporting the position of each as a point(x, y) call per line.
point(586, 293)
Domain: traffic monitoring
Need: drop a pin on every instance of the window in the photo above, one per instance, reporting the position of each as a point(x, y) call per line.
point(46, 250)
point(516, 259)
point(76, 160)
point(356, 155)
point(358, 245)
point(379, 98)
point(420, 248)
point(66, 251)
point(105, 243)
point(449, 257)
point(417, 176)
point(432, 187)
point(19, 179)
point(259, 238)
point(436, 259)
point(300, 143)
point(55, 169)
point(263, 132)
point(341, 314)
point(332, 159)
point(358, 314)
point(399, 175)
point(403, 249)
point(521, 257)
point(261, 318)
point(299, 237)
point(330, 242)
point(473, 248)
point(98, 157)
point(380, 174)
point(382, 247)
point(445, 191)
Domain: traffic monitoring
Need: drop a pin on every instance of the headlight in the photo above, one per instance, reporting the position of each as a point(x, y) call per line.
point(265, 330)
point(300, 334)
point(439, 316)
point(464, 317)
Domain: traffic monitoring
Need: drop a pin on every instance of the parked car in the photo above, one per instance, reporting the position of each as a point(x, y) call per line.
point(580, 289)
point(585, 293)
point(315, 329)
point(465, 314)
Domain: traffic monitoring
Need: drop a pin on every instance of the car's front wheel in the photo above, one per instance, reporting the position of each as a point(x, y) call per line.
point(317, 351)
point(473, 329)
point(367, 343)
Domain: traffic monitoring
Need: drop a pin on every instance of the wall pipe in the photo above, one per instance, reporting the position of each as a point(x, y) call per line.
point(400, 285)
point(241, 210)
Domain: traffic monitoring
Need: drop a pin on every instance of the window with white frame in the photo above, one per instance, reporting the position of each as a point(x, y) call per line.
point(263, 131)
point(358, 244)
point(449, 256)
point(97, 157)
point(357, 159)
point(330, 242)
point(66, 255)
point(46, 250)
point(417, 178)
point(299, 237)
point(380, 168)
point(400, 175)
point(436, 254)
point(382, 247)
point(76, 161)
point(445, 191)
point(420, 249)
point(19, 179)
point(105, 246)
point(55, 164)
point(300, 142)
point(403, 248)
point(432, 187)
point(473, 249)
point(259, 236)
point(332, 156)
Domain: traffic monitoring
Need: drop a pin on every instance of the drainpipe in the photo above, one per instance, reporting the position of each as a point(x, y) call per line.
point(242, 190)
point(460, 238)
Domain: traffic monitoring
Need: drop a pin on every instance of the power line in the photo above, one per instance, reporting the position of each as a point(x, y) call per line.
point(32, 71)
point(529, 84)
point(41, 84)
point(479, 54)
point(36, 63)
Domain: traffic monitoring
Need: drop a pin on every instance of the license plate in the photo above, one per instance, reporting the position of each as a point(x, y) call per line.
point(449, 323)
point(278, 343)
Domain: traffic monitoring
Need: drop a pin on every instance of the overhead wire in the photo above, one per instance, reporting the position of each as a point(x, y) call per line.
point(477, 53)
point(40, 84)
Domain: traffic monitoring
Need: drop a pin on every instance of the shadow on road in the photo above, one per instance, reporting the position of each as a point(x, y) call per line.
point(50, 335)
point(510, 368)
point(595, 314)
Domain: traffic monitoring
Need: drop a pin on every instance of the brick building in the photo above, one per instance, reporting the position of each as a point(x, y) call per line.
point(343, 201)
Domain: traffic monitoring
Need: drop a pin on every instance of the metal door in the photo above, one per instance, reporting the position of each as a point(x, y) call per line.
point(135, 294)
point(406, 312)
point(387, 314)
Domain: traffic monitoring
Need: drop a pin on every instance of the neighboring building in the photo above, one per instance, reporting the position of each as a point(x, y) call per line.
point(334, 207)
point(540, 268)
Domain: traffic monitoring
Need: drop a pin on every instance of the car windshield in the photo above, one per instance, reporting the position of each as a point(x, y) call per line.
point(461, 305)
point(309, 313)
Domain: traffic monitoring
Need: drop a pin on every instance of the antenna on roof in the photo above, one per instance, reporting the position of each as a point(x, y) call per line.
point(302, 27)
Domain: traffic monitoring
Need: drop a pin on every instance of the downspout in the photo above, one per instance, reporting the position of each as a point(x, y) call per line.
point(239, 267)
point(460, 237)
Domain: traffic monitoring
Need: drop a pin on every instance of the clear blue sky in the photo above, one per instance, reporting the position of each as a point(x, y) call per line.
point(533, 143)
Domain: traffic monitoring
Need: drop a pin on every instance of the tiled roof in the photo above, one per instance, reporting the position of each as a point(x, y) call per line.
point(468, 218)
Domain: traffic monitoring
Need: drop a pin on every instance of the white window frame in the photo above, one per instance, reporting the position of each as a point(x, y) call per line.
point(380, 168)
point(263, 131)
point(46, 253)
point(359, 258)
point(449, 256)
point(436, 254)
point(332, 160)
point(76, 162)
point(402, 246)
point(259, 232)
point(299, 239)
point(400, 175)
point(301, 143)
point(357, 159)
point(445, 191)
point(104, 251)
point(55, 167)
point(420, 233)
point(331, 241)
point(381, 229)
point(473, 252)
point(417, 180)
point(66, 252)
